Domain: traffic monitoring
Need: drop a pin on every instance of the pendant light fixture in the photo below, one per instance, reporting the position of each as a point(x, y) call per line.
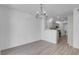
point(41, 12)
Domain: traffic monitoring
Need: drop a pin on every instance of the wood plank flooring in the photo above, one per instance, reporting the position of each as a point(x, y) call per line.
point(43, 48)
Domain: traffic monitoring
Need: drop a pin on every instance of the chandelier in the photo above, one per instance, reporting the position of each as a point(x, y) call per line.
point(41, 12)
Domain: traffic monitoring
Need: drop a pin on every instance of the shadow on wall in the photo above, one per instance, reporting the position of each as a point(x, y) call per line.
point(4, 27)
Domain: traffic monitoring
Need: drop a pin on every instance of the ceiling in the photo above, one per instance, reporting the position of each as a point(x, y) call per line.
point(53, 10)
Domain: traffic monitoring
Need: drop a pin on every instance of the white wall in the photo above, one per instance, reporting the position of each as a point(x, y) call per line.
point(65, 28)
point(50, 36)
point(17, 28)
point(76, 28)
point(73, 29)
point(70, 30)
point(61, 26)
point(46, 33)
point(4, 27)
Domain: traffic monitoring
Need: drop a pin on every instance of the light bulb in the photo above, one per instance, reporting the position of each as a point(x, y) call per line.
point(44, 11)
point(58, 17)
point(37, 12)
point(50, 20)
point(58, 22)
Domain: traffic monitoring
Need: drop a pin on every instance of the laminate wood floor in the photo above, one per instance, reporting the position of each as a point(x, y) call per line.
point(43, 48)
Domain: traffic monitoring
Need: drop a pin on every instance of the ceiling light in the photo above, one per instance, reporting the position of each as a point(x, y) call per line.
point(58, 17)
point(58, 22)
point(41, 12)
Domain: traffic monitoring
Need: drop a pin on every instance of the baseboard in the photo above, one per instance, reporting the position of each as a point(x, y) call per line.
point(19, 44)
point(77, 47)
point(0, 52)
